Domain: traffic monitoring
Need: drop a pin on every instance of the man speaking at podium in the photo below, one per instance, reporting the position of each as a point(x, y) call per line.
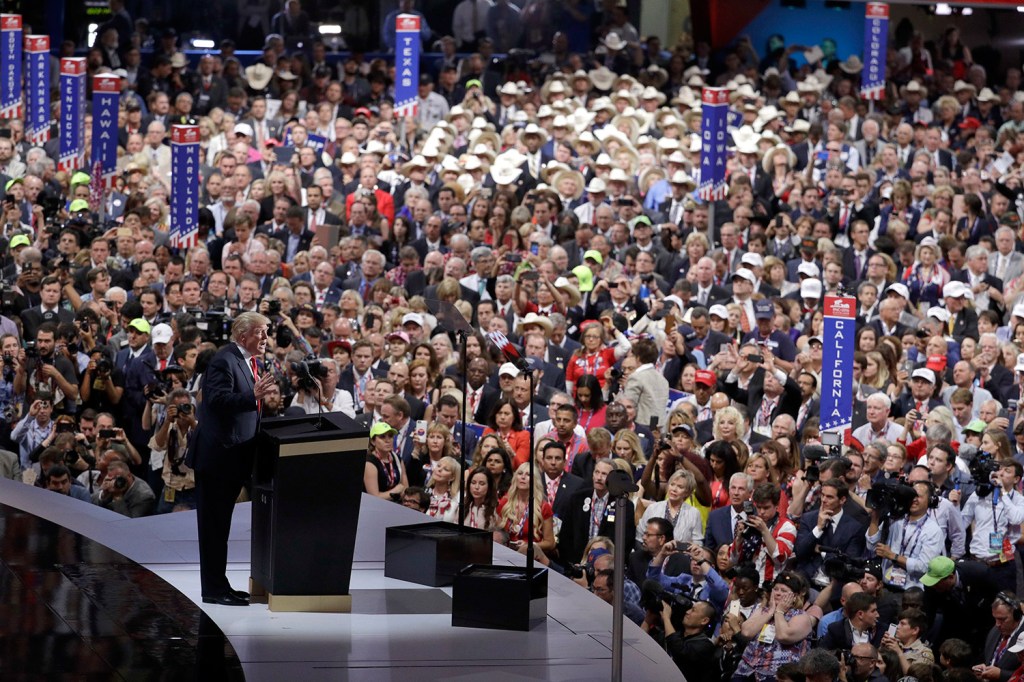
point(233, 388)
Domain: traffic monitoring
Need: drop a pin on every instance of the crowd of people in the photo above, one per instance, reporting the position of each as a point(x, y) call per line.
point(672, 338)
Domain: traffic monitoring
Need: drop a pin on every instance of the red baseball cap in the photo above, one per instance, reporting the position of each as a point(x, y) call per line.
point(706, 377)
point(936, 363)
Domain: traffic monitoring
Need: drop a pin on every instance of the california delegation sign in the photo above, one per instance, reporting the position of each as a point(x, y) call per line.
point(838, 340)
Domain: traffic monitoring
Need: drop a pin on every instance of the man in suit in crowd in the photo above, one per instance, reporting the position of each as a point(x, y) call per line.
point(592, 512)
point(828, 526)
point(722, 522)
point(646, 386)
point(222, 451)
point(559, 485)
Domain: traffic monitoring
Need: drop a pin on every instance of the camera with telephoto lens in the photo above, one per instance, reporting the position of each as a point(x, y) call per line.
point(185, 408)
point(981, 468)
point(308, 371)
point(891, 497)
point(678, 595)
point(104, 366)
point(121, 483)
point(841, 567)
point(577, 571)
point(8, 300)
point(273, 307)
point(157, 390)
point(31, 351)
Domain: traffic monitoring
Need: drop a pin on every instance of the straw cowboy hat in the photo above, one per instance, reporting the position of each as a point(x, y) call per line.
point(258, 75)
point(914, 87)
point(614, 42)
point(681, 177)
point(587, 139)
point(602, 77)
point(533, 130)
point(649, 176)
point(505, 175)
point(651, 92)
point(654, 75)
point(570, 291)
point(852, 65)
point(416, 162)
point(575, 175)
point(533, 319)
point(769, 155)
point(626, 95)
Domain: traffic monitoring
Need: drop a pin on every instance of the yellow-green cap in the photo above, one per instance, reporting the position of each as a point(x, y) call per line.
point(585, 278)
point(19, 240)
point(473, 82)
point(80, 178)
point(381, 429)
point(141, 325)
point(12, 182)
point(594, 255)
point(78, 205)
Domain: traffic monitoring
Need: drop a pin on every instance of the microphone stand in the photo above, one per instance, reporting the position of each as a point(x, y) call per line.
point(463, 335)
point(529, 539)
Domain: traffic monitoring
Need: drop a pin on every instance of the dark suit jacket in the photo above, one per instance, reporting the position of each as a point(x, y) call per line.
point(719, 530)
point(422, 248)
point(32, 319)
point(752, 396)
point(488, 399)
point(305, 239)
point(839, 635)
point(847, 536)
point(228, 420)
point(965, 325)
point(990, 280)
point(576, 525)
point(850, 271)
point(901, 328)
point(1000, 383)
point(1007, 663)
point(567, 487)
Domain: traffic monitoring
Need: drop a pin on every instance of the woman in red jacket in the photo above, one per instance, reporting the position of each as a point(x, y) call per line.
point(508, 424)
point(594, 356)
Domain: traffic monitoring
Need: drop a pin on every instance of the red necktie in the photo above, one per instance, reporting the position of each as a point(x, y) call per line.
point(163, 365)
point(255, 379)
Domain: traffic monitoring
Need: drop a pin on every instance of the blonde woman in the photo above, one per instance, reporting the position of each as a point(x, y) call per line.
point(444, 490)
point(519, 521)
point(687, 524)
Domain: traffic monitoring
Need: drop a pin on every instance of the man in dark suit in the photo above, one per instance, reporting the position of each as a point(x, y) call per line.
point(481, 397)
point(294, 235)
point(431, 239)
point(592, 507)
point(559, 485)
point(221, 452)
point(981, 281)
point(1000, 658)
point(828, 526)
point(766, 396)
point(722, 522)
point(862, 616)
point(965, 319)
point(48, 309)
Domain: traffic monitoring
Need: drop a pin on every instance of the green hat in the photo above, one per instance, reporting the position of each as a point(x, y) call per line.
point(976, 426)
point(585, 277)
point(939, 568)
point(642, 220)
point(12, 182)
point(473, 82)
point(19, 240)
point(80, 178)
point(381, 429)
point(141, 325)
point(594, 255)
point(78, 205)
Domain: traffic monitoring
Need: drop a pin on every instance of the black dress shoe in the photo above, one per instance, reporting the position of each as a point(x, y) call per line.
point(229, 599)
point(240, 594)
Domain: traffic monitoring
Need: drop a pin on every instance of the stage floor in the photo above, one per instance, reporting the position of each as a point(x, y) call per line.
point(396, 631)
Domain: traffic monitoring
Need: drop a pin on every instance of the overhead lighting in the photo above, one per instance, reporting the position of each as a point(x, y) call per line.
point(330, 29)
point(943, 9)
point(203, 43)
point(91, 37)
point(966, 11)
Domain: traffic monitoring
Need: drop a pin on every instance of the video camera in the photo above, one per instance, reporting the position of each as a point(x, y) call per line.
point(891, 497)
point(214, 324)
point(308, 371)
point(982, 467)
point(843, 568)
point(577, 571)
point(680, 596)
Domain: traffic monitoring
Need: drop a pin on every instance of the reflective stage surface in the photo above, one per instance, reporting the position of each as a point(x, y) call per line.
point(109, 598)
point(71, 608)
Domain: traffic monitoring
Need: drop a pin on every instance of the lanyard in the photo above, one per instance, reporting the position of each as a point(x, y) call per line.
point(916, 536)
point(389, 471)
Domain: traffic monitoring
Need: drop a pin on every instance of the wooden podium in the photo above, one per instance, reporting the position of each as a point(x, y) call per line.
point(307, 486)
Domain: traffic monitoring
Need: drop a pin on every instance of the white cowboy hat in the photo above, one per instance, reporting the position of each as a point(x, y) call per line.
point(535, 319)
point(852, 64)
point(533, 129)
point(602, 77)
point(766, 162)
point(614, 42)
point(681, 177)
point(258, 75)
point(505, 175)
point(509, 88)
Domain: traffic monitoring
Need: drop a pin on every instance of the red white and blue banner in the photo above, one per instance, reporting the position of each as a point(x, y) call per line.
point(837, 363)
point(876, 38)
point(407, 64)
point(37, 89)
point(11, 42)
point(713, 135)
point(185, 185)
point(106, 95)
point(72, 114)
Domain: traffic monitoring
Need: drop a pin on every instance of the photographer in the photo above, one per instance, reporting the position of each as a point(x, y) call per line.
point(604, 587)
point(670, 562)
point(40, 369)
point(690, 646)
point(102, 387)
point(110, 437)
point(169, 443)
point(121, 492)
point(33, 428)
point(10, 399)
point(912, 541)
point(323, 389)
point(994, 513)
point(768, 537)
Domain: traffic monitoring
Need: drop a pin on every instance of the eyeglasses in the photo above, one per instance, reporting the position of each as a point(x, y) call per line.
point(653, 535)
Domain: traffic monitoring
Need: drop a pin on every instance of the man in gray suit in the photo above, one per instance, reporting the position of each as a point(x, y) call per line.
point(646, 386)
point(871, 145)
point(1006, 263)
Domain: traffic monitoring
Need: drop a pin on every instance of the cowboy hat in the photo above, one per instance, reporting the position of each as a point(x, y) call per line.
point(505, 175)
point(602, 77)
point(681, 177)
point(535, 130)
point(613, 42)
point(587, 139)
point(655, 75)
point(596, 186)
point(533, 319)
point(626, 95)
point(570, 173)
point(769, 156)
point(963, 85)
point(509, 88)
point(852, 65)
point(179, 60)
point(799, 126)
point(651, 92)
point(416, 162)
point(986, 95)
point(649, 176)
point(915, 88)
point(567, 288)
point(814, 55)
point(258, 75)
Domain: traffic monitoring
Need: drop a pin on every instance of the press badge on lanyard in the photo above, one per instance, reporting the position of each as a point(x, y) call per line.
point(767, 635)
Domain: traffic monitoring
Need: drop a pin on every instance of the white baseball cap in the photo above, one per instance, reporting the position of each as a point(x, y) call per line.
point(508, 368)
point(415, 318)
point(900, 289)
point(752, 259)
point(161, 333)
point(719, 311)
point(939, 313)
point(923, 373)
point(809, 269)
point(810, 288)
